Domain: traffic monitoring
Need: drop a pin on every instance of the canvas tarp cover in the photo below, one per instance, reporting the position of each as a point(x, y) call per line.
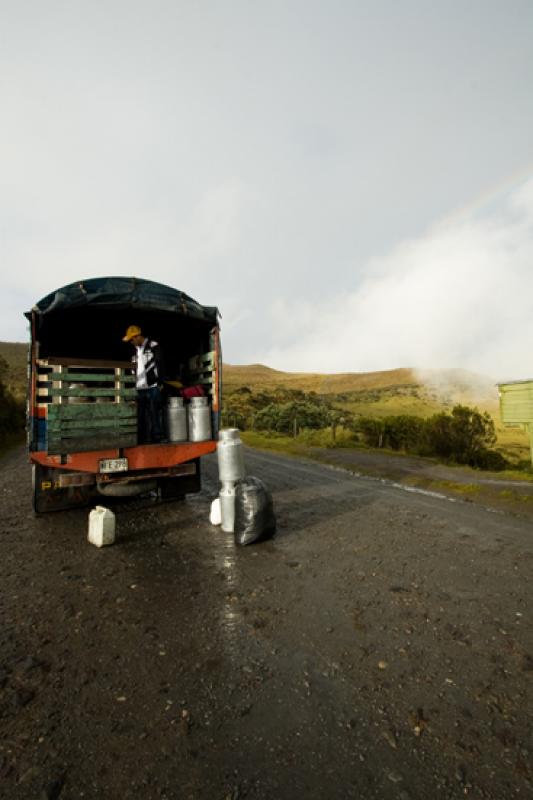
point(124, 293)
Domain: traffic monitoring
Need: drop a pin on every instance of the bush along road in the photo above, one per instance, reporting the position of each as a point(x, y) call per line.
point(380, 646)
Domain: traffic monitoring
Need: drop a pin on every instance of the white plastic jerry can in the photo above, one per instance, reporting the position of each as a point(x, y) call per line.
point(215, 515)
point(101, 526)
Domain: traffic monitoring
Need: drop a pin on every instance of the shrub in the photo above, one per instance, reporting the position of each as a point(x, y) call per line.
point(396, 433)
point(464, 436)
point(292, 417)
point(372, 430)
point(491, 459)
point(405, 433)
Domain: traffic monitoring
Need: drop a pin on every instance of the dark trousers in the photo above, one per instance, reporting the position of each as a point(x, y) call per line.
point(149, 415)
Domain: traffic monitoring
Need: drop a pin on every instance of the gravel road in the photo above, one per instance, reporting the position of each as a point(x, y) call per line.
point(380, 646)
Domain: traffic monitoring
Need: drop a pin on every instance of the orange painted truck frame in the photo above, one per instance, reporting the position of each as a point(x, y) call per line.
point(82, 415)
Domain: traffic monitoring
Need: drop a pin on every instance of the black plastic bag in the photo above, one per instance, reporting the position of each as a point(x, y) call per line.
point(254, 512)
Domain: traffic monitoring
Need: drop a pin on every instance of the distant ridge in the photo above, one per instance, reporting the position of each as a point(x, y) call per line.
point(316, 381)
point(445, 387)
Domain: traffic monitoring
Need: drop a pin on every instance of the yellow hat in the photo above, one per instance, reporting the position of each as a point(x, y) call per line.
point(132, 331)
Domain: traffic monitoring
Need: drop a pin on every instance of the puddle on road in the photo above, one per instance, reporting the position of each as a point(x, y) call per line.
point(231, 617)
point(220, 555)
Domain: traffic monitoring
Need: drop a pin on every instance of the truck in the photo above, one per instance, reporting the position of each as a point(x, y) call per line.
point(82, 425)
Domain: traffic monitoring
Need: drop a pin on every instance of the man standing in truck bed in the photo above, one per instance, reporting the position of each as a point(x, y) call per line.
point(147, 363)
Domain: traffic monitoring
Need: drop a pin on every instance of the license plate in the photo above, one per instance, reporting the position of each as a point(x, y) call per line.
point(114, 465)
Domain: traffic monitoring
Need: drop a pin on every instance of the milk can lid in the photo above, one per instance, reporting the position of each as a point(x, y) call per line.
point(227, 434)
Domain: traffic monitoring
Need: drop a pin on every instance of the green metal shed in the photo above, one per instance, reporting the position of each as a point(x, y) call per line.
point(516, 406)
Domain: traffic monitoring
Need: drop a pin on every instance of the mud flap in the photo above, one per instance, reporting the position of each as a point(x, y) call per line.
point(48, 496)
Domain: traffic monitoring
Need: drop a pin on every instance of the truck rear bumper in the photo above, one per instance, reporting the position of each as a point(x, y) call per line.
point(59, 487)
point(69, 478)
point(153, 459)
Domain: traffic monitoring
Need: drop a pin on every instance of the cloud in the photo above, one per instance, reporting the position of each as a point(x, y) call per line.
point(457, 297)
point(180, 250)
point(183, 152)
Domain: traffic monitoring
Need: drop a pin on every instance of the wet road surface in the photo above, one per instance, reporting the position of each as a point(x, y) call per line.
point(380, 646)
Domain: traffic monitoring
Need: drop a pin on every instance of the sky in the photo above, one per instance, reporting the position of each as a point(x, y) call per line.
point(350, 182)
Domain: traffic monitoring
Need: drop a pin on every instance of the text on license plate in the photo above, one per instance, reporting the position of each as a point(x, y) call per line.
point(114, 465)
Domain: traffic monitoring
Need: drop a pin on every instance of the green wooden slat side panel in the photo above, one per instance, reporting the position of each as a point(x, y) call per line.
point(204, 380)
point(92, 425)
point(198, 376)
point(202, 361)
point(87, 376)
point(87, 363)
point(201, 370)
point(92, 392)
point(91, 411)
point(77, 444)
